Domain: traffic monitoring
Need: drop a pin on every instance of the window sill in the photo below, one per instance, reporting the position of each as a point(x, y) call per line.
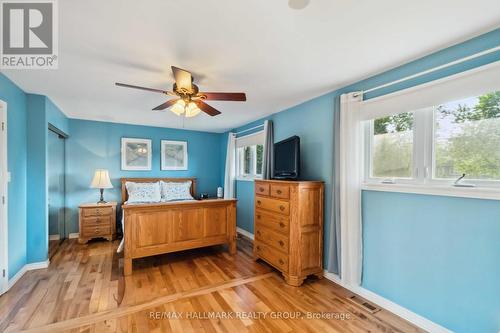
point(441, 190)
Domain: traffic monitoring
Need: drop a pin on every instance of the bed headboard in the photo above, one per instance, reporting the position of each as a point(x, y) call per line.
point(152, 180)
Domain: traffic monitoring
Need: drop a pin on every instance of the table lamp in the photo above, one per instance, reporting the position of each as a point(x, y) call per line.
point(101, 181)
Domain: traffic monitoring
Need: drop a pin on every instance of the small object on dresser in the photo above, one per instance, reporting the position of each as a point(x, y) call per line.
point(101, 181)
point(203, 196)
point(97, 221)
point(220, 192)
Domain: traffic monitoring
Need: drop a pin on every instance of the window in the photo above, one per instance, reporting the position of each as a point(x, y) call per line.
point(467, 138)
point(437, 144)
point(392, 146)
point(249, 156)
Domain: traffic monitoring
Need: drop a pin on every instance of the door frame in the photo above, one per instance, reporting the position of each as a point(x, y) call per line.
point(4, 179)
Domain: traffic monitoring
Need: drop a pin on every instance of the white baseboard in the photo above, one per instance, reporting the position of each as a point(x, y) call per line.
point(24, 269)
point(390, 306)
point(54, 237)
point(245, 233)
point(73, 235)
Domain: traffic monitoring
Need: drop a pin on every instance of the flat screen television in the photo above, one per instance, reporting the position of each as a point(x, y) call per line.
point(287, 158)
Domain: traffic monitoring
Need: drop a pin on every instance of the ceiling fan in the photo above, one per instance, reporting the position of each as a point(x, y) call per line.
point(190, 100)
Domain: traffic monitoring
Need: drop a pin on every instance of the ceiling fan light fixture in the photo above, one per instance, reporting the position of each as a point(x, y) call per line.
point(192, 110)
point(178, 107)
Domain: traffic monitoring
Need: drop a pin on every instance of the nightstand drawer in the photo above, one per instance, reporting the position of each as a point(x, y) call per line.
point(97, 211)
point(274, 205)
point(96, 231)
point(96, 221)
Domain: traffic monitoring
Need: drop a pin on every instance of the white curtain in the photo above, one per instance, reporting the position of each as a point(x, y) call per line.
point(268, 163)
point(351, 172)
point(230, 174)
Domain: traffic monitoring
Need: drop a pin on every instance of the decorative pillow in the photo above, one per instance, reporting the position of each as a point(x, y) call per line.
point(176, 191)
point(143, 192)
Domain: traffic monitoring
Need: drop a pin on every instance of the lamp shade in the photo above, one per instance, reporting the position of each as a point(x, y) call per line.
point(101, 179)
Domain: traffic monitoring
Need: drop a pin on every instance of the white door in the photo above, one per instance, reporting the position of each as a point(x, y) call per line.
point(4, 278)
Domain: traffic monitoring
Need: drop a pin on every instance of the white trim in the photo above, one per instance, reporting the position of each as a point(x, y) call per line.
point(390, 306)
point(25, 268)
point(441, 190)
point(249, 129)
point(54, 237)
point(4, 179)
point(245, 233)
point(73, 235)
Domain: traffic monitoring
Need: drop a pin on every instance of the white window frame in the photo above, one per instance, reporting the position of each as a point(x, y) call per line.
point(250, 140)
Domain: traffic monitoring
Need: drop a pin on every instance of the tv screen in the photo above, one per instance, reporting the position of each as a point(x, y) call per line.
point(287, 158)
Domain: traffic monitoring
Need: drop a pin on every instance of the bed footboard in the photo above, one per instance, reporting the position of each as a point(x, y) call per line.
point(152, 229)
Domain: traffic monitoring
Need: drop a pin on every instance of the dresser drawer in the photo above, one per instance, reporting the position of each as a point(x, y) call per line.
point(275, 258)
point(98, 211)
point(261, 189)
point(269, 237)
point(276, 222)
point(96, 221)
point(280, 191)
point(96, 231)
point(278, 206)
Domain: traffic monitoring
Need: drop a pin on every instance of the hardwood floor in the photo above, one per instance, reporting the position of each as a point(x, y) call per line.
point(203, 290)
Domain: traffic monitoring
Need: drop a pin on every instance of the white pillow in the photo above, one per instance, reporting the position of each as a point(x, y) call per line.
point(171, 191)
point(143, 192)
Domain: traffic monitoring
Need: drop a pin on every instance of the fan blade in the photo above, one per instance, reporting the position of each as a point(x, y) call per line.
point(207, 108)
point(165, 105)
point(220, 96)
point(183, 79)
point(142, 88)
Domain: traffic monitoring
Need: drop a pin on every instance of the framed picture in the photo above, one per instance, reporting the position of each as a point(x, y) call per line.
point(136, 154)
point(174, 155)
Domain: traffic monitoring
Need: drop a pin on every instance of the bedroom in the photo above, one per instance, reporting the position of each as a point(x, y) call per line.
point(390, 223)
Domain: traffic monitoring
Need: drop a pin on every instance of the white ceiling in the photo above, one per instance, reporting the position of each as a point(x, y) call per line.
point(279, 56)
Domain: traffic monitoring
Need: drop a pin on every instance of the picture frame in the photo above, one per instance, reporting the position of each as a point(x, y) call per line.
point(174, 155)
point(136, 154)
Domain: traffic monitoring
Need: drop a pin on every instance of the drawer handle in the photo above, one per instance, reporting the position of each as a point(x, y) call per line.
point(261, 189)
point(96, 230)
point(281, 243)
point(282, 208)
point(258, 217)
point(258, 232)
point(278, 191)
point(281, 262)
point(282, 224)
point(258, 202)
point(258, 248)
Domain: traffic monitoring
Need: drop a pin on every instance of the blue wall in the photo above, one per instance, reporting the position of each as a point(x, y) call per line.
point(313, 122)
point(41, 111)
point(94, 145)
point(17, 161)
point(438, 256)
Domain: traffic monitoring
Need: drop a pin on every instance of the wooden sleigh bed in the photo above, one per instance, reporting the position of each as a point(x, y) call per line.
point(158, 228)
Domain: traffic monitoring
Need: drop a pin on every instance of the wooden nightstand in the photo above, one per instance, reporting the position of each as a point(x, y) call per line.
point(97, 220)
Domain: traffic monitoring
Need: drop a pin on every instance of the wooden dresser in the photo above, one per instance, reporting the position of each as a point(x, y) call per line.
point(289, 227)
point(97, 220)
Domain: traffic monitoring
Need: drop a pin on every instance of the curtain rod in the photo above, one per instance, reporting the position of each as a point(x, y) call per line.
point(249, 129)
point(454, 62)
